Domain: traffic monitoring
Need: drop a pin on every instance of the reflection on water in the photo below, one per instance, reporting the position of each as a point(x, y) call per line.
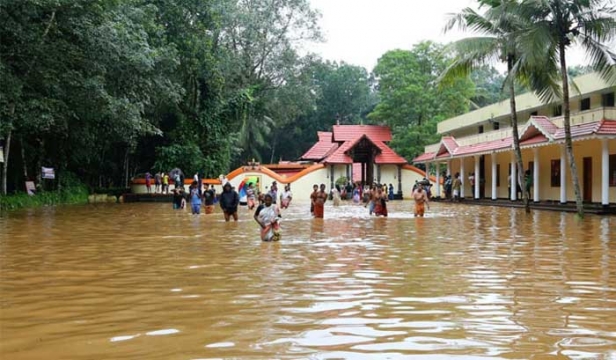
point(140, 281)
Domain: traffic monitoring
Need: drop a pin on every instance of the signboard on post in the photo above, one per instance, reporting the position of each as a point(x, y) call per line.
point(48, 173)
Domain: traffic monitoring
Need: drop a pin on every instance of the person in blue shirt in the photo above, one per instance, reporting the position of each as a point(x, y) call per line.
point(195, 198)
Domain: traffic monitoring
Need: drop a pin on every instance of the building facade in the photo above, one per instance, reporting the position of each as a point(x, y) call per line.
point(480, 144)
point(356, 152)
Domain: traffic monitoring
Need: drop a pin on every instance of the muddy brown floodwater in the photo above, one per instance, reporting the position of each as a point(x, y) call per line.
point(141, 281)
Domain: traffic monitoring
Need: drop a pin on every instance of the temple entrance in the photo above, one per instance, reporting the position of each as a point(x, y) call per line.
point(364, 152)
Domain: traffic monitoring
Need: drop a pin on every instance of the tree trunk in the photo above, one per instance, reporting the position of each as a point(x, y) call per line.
point(273, 149)
point(126, 168)
point(38, 167)
point(568, 142)
point(23, 158)
point(5, 164)
point(516, 137)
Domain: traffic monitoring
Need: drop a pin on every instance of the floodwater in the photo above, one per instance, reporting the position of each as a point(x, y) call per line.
point(141, 281)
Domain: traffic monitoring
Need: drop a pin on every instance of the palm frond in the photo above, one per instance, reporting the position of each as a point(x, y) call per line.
point(601, 28)
point(602, 58)
point(470, 19)
point(470, 53)
point(537, 43)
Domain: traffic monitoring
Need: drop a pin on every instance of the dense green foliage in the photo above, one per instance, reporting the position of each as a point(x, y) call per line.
point(411, 103)
point(72, 195)
point(111, 89)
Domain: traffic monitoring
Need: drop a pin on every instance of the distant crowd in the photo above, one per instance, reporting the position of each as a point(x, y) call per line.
point(268, 213)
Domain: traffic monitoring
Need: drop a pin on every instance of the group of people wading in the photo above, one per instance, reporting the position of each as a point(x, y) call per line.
point(268, 214)
point(373, 197)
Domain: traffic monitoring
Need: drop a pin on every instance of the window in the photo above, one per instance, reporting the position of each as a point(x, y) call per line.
point(612, 170)
point(534, 113)
point(497, 175)
point(557, 111)
point(495, 125)
point(481, 129)
point(555, 173)
point(607, 99)
point(585, 104)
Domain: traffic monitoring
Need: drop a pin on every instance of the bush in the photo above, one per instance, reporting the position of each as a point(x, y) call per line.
point(76, 194)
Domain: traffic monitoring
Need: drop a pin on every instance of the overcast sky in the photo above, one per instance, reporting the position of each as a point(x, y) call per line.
point(358, 32)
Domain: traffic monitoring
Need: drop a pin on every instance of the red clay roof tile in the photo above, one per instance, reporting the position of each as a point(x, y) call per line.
point(350, 132)
point(322, 148)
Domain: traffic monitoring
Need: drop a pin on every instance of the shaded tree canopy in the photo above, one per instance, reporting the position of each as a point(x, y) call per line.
point(111, 89)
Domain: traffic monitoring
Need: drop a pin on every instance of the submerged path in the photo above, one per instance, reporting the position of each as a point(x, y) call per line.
point(141, 281)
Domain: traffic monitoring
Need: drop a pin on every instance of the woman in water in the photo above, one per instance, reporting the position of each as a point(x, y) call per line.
point(251, 196)
point(285, 197)
point(267, 216)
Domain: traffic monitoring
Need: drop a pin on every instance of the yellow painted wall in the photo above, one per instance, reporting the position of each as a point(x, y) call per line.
point(586, 148)
point(389, 175)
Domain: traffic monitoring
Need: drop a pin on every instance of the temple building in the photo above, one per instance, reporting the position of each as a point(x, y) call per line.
point(480, 142)
point(360, 153)
point(356, 152)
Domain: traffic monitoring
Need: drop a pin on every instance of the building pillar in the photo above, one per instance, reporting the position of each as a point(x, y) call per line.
point(536, 175)
point(476, 177)
point(605, 174)
point(563, 174)
point(438, 180)
point(462, 178)
point(399, 179)
point(378, 174)
point(331, 177)
point(363, 174)
point(494, 175)
point(513, 183)
point(351, 173)
point(448, 167)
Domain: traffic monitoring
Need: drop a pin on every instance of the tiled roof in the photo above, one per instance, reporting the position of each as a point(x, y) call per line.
point(540, 130)
point(424, 157)
point(607, 127)
point(339, 156)
point(544, 124)
point(537, 139)
point(579, 130)
point(385, 156)
point(488, 146)
point(322, 148)
point(449, 143)
point(351, 132)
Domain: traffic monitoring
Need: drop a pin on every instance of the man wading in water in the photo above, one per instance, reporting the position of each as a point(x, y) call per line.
point(421, 201)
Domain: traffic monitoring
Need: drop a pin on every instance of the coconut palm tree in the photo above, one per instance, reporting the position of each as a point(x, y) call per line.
point(498, 27)
point(555, 26)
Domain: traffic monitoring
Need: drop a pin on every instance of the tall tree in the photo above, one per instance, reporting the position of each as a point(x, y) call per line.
point(410, 102)
point(555, 25)
point(84, 88)
point(498, 27)
point(261, 37)
point(332, 92)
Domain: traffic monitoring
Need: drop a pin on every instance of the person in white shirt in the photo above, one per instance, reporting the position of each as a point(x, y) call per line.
point(286, 197)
